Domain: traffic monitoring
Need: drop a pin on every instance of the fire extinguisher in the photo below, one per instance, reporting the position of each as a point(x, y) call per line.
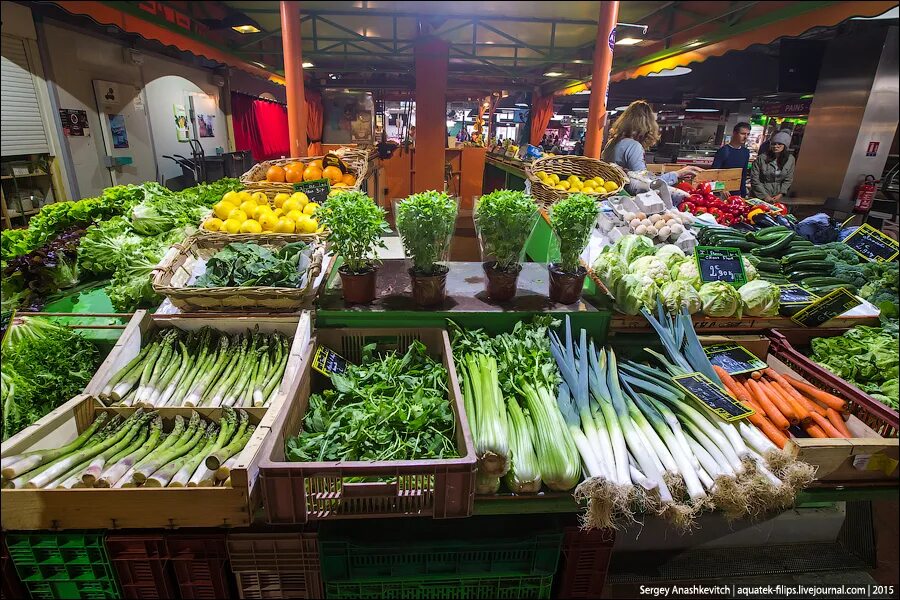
point(865, 195)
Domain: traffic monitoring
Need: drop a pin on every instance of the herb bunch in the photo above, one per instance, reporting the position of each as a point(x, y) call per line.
point(356, 225)
point(425, 222)
point(571, 220)
point(505, 219)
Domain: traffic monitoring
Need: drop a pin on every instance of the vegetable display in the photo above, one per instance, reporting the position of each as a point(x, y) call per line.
point(136, 452)
point(504, 220)
point(702, 200)
point(249, 264)
point(44, 365)
point(202, 368)
point(393, 407)
point(425, 223)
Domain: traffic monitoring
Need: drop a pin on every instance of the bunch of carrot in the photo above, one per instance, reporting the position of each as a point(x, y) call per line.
point(781, 401)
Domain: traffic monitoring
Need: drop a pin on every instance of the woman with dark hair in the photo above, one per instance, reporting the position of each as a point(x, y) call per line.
point(773, 172)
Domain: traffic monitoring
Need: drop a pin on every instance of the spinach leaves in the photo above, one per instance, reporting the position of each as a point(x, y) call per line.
point(247, 264)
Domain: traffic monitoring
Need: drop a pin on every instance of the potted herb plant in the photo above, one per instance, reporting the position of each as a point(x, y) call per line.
point(356, 225)
point(571, 220)
point(425, 223)
point(504, 220)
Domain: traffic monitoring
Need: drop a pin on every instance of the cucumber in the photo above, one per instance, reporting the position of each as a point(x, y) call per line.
point(801, 255)
point(822, 280)
point(776, 247)
point(813, 265)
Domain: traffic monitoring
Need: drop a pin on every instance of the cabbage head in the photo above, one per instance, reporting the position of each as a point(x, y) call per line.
point(634, 292)
point(687, 272)
point(720, 300)
point(631, 247)
point(761, 298)
point(670, 254)
point(609, 268)
point(652, 267)
point(750, 270)
point(677, 295)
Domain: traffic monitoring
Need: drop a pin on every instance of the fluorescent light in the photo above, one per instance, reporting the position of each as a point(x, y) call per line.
point(621, 107)
point(579, 109)
point(722, 99)
point(674, 72)
point(582, 92)
point(307, 64)
point(552, 74)
point(703, 110)
point(628, 41)
point(521, 104)
point(258, 64)
point(694, 43)
point(246, 28)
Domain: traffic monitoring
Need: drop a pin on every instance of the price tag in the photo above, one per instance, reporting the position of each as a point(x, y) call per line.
point(826, 308)
point(328, 362)
point(872, 244)
point(699, 387)
point(317, 191)
point(792, 293)
point(734, 358)
point(718, 263)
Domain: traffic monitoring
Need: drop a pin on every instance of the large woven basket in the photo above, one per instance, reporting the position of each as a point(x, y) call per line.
point(582, 166)
point(171, 277)
point(357, 162)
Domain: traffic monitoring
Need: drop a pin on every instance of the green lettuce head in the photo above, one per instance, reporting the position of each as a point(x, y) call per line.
point(631, 247)
point(677, 295)
point(761, 298)
point(720, 299)
point(634, 292)
point(609, 268)
point(671, 255)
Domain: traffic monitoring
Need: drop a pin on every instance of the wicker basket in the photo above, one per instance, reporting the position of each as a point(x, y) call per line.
point(564, 166)
point(177, 266)
point(254, 180)
point(309, 238)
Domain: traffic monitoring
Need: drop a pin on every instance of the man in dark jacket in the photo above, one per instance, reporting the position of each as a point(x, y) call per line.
point(735, 155)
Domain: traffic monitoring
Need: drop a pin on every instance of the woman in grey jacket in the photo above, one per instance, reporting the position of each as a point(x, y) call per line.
point(773, 172)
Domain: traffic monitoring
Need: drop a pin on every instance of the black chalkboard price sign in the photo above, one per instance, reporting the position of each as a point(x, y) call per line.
point(317, 190)
point(699, 387)
point(328, 362)
point(735, 359)
point(718, 263)
point(872, 244)
point(792, 293)
point(826, 308)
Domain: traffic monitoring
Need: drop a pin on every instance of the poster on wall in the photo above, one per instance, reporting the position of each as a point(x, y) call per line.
point(74, 122)
point(117, 128)
point(181, 123)
point(205, 125)
point(348, 117)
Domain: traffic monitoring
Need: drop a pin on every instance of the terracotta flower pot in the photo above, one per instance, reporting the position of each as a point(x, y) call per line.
point(565, 287)
point(429, 290)
point(500, 285)
point(358, 288)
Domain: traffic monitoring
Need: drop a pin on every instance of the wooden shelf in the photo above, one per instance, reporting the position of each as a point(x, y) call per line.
point(5, 177)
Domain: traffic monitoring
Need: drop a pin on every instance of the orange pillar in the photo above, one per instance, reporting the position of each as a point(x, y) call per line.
point(603, 56)
point(293, 75)
point(432, 56)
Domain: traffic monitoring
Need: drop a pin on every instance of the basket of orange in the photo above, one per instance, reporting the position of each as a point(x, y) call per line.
point(284, 214)
point(347, 172)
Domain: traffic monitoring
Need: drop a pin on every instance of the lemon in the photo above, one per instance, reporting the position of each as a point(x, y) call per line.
point(575, 187)
point(310, 209)
point(295, 215)
point(611, 186)
point(306, 225)
point(221, 209)
point(564, 185)
point(572, 178)
point(231, 226)
point(559, 187)
point(251, 226)
point(212, 224)
point(280, 198)
point(248, 207)
point(268, 221)
point(260, 197)
point(292, 204)
point(554, 178)
point(238, 215)
point(284, 225)
point(541, 174)
point(300, 197)
point(259, 211)
point(278, 212)
point(231, 198)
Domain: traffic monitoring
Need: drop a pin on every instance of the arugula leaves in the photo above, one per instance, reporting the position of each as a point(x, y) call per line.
point(249, 264)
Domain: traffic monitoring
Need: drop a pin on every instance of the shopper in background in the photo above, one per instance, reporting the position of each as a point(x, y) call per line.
point(764, 146)
point(773, 172)
point(633, 132)
point(735, 155)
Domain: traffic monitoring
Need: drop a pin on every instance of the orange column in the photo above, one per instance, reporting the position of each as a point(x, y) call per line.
point(432, 56)
point(603, 56)
point(293, 75)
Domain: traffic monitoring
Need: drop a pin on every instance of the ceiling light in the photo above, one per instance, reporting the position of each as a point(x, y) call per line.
point(552, 74)
point(307, 64)
point(582, 92)
point(722, 99)
point(628, 41)
point(521, 104)
point(258, 64)
point(694, 43)
point(621, 107)
point(578, 108)
point(703, 110)
point(674, 72)
point(246, 28)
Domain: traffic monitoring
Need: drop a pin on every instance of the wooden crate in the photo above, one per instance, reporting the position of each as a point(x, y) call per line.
point(724, 179)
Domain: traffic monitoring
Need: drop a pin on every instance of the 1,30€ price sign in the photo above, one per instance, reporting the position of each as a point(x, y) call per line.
point(719, 263)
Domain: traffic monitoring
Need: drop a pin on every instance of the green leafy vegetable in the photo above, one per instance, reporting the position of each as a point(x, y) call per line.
point(249, 264)
point(425, 223)
point(572, 219)
point(720, 299)
point(103, 246)
point(761, 298)
point(356, 225)
point(866, 357)
point(504, 220)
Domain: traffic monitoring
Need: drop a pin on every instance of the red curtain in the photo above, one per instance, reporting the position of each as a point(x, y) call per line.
point(260, 126)
point(541, 111)
point(314, 122)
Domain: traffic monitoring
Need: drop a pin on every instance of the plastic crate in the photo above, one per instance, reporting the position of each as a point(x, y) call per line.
point(10, 586)
point(584, 562)
point(424, 550)
point(276, 565)
point(63, 565)
point(787, 342)
point(460, 589)
point(295, 492)
point(141, 562)
point(199, 562)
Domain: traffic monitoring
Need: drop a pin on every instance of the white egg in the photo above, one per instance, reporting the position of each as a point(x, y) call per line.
point(652, 231)
point(641, 230)
point(634, 223)
point(641, 216)
point(665, 231)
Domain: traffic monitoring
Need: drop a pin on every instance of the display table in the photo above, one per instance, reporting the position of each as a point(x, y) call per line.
point(502, 173)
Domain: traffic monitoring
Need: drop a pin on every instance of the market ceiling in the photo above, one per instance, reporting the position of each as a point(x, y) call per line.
point(493, 45)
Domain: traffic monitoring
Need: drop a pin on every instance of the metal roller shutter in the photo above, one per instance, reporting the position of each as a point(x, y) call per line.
point(21, 125)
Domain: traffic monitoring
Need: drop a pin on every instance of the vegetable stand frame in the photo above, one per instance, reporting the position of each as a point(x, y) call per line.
point(296, 492)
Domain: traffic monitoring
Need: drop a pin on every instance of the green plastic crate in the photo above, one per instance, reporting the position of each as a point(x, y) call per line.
point(63, 565)
point(457, 589)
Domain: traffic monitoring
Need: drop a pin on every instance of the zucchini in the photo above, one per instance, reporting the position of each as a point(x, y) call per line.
point(769, 268)
point(777, 246)
point(743, 245)
point(798, 276)
point(801, 255)
point(813, 265)
point(768, 234)
point(822, 280)
point(824, 289)
point(801, 243)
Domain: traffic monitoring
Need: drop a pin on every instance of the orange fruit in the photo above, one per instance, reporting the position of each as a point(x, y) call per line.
point(293, 173)
point(312, 173)
point(333, 174)
point(275, 174)
point(348, 179)
point(316, 163)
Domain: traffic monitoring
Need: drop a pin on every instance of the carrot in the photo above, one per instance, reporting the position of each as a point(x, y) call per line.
point(731, 383)
point(801, 411)
point(800, 398)
point(820, 396)
point(826, 426)
point(815, 431)
point(756, 375)
point(838, 422)
point(783, 405)
point(771, 410)
point(774, 434)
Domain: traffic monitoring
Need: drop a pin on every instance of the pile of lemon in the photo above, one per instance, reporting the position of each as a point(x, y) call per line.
point(245, 212)
point(594, 185)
